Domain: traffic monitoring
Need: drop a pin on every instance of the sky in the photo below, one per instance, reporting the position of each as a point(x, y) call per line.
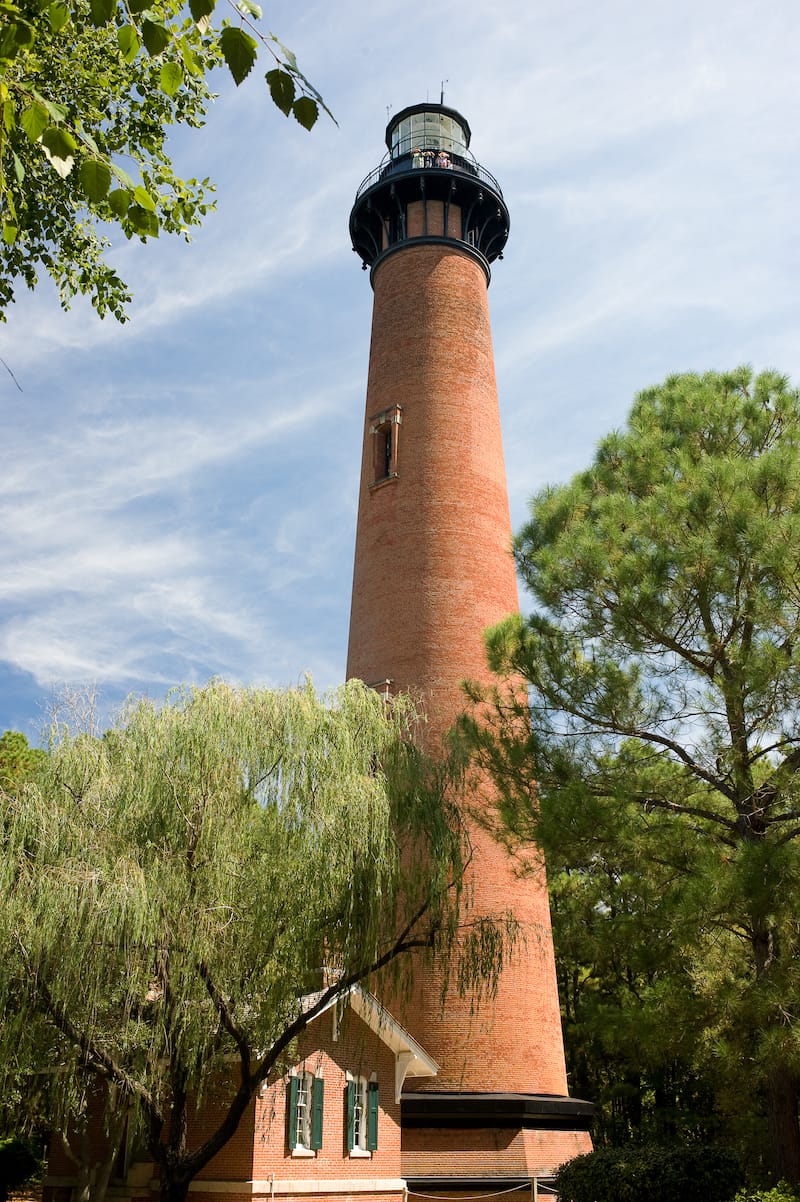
point(178, 494)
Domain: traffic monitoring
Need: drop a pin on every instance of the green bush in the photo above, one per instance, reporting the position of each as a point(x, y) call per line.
point(651, 1173)
point(783, 1192)
point(18, 1163)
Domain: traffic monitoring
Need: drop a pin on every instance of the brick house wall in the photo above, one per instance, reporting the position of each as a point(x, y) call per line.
point(258, 1160)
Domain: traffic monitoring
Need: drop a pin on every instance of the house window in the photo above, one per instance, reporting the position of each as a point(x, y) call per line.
point(384, 430)
point(362, 1116)
point(306, 1097)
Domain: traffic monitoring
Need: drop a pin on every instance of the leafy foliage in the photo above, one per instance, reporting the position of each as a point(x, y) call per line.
point(18, 761)
point(649, 1173)
point(779, 1193)
point(172, 889)
point(632, 1019)
point(88, 92)
point(664, 670)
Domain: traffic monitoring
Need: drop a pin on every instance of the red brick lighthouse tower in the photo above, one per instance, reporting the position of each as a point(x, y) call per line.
point(432, 570)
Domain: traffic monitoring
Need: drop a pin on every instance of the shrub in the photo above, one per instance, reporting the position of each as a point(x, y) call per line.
point(18, 1162)
point(783, 1192)
point(651, 1173)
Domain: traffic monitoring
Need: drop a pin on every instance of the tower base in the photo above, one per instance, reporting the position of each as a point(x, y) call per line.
point(462, 1143)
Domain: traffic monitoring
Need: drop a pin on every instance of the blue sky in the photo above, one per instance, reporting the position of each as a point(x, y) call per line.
point(178, 494)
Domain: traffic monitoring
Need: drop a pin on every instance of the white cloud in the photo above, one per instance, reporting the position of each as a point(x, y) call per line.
point(178, 494)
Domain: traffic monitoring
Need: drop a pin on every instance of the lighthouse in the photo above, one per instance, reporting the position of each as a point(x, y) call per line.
point(433, 569)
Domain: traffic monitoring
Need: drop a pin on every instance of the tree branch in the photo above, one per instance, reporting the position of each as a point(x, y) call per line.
point(96, 1059)
point(226, 1018)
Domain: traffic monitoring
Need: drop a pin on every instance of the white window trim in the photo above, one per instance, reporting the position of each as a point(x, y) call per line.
point(361, 1135)
point(302, 1147)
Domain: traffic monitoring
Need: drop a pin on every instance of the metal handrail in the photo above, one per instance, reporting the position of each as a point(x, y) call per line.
point(403, 164)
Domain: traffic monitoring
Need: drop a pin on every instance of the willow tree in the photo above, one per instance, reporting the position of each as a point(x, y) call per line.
point(173, 888)
point(663, 660)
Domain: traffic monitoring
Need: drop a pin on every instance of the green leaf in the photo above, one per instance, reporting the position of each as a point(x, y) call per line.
point(61, 166)
point(15, 36)
point(58, 145)
point(250, 9)
point(144, 199)
point(25, 35)
point(308, 87)
point(8, 44)
point(119, 200)
point(58, 13)
point(123, 176)
point(288, 55)
point(281, 89)
point(306, 111)
point(155, 36)
point(57, 112)
point(171, 78)
point(239, 51)
point(34, 121)
point(138, 6)
point(190, 60)
point(19, 170)
point(128, 42)
point(95, 179)
point(201, 8)
point(89, 141)
point(9, 115)
point(143, 222)
point(59, 142)
point(9, 233)
point(101, 11)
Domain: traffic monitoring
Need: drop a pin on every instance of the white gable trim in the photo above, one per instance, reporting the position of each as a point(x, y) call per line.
point(409, 1057)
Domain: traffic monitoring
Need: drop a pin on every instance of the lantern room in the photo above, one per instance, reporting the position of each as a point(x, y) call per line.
point(429, 187)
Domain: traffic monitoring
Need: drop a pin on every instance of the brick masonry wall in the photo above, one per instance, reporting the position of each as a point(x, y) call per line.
point(259, 1150)
point(490, 1152)
point(359, 1051)
point(433, 568)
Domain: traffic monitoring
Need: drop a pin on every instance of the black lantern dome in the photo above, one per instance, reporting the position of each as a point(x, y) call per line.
point(429, 187)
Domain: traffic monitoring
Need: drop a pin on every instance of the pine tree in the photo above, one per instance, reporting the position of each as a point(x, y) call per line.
point(663, 661)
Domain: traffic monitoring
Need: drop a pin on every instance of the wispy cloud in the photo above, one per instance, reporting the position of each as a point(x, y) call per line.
point(177, 495)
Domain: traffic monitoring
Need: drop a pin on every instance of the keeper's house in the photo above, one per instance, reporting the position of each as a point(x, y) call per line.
point(329, 1128)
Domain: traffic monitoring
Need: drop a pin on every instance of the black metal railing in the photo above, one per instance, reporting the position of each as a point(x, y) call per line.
point(406, 164)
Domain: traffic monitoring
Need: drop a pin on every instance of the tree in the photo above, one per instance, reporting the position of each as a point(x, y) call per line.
point(19, 761)
point(88, 92)
point(664, 669)
point(172, 889)
point(632, 1017)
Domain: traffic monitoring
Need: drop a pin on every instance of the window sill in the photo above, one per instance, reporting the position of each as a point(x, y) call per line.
point(360, 1153)
point(303, 1153)
point(384, 480)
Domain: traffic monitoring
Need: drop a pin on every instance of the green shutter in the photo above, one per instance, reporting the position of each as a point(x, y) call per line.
point(317, 1100)
point(372, 1116)
point(293, 1088)
point(351, 1115)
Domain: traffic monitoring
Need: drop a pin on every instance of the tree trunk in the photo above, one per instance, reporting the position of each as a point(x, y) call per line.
point(783, 1094)
point(173, 1189)
point(117, 1126)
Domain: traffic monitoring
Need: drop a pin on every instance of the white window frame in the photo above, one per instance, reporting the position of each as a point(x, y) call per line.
point(360, 1118)
point(301, 1136)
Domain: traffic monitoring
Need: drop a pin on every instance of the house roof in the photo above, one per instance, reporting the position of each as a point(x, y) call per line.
point(410, 1057)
